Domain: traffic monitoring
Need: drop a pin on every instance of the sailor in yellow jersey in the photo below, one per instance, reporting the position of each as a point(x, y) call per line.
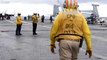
point(34, 22)
point(68, 28)
point(19, 24)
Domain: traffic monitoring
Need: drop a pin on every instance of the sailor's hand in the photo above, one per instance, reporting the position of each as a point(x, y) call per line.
point(52, 48)
point(89, 52)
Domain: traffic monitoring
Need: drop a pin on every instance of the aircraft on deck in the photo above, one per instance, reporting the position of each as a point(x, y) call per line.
point(5, 16)
point(87, 13)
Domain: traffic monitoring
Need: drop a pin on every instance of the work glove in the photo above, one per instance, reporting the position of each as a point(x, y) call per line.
point(89, 52)
point(52, 46)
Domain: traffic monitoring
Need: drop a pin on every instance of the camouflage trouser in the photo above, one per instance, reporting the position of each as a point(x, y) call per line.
point(68, 50)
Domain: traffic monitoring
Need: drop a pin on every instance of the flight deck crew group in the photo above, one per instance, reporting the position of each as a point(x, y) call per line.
point(68, 28)
point(19, 23)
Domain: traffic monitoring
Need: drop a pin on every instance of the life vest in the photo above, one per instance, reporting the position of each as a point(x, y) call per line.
point(34, 19)
point(70, 25)
point(18, 20)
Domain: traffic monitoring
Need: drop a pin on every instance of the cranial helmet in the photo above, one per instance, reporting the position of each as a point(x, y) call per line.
point(70, 4)
point(19, 14)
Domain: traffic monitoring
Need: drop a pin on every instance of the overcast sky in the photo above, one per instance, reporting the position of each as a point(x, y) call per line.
point(27, 6)
point(51, 1)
